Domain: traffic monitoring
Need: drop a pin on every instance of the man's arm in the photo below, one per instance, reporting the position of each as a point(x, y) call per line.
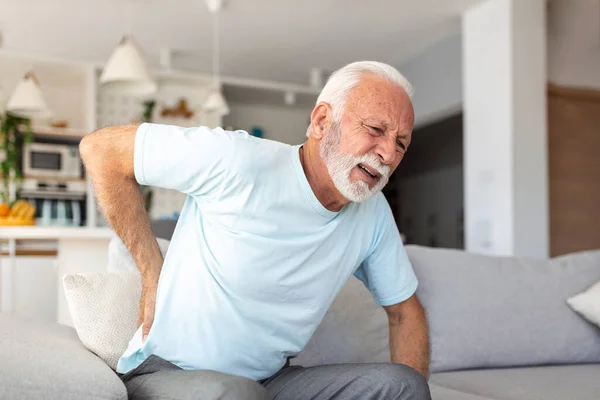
point(108, 158)
point(409, 343)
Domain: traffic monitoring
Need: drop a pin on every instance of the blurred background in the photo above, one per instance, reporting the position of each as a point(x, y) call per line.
point(505, 152)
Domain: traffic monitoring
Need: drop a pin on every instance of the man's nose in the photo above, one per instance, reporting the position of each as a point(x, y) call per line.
point(386, 149)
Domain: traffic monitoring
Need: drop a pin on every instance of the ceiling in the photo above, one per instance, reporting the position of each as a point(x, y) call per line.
point(266, 39)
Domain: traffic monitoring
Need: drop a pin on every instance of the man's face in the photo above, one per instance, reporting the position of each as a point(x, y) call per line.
point(363, 149)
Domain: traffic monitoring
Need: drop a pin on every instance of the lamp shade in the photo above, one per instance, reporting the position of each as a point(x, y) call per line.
point(216, 103)
point(27, 100)
point(126, 71)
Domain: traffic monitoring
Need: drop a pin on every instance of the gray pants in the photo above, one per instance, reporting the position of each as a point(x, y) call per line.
point(156, 378)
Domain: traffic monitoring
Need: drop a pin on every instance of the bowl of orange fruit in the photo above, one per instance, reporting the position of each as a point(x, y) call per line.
point(21, 213)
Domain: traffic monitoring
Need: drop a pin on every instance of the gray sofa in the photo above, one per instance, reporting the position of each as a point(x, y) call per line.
point(500, 330)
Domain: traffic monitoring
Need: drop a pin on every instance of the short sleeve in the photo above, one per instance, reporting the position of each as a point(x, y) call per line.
point(387, 271)
point(191, 160)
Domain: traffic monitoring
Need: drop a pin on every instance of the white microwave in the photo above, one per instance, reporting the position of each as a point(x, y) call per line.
point(52, 160)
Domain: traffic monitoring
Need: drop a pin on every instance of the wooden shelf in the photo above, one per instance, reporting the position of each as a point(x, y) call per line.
point(43, 232)
point(54, 178)
point(49, 131)
point(34, 253)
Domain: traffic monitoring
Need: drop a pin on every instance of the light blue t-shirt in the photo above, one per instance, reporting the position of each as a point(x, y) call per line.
point(255, 260)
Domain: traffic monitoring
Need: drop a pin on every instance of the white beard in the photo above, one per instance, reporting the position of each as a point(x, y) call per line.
point(341, 164)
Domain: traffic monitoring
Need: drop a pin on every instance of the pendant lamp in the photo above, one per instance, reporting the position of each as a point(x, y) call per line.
point(216, 102)
point(126, 70)
point(27, 100)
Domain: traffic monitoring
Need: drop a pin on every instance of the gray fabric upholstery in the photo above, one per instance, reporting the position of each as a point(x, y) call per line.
point(354, 330)
point(48, 361)
point(483, 312)
point(163, 228)
point(442, 393)
point(581, 382)
point(488, 311)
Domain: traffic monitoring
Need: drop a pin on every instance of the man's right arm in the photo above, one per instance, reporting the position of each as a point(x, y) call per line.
point(108, 155)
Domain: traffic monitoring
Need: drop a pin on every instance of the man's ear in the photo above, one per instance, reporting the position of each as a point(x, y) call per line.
point(320, 120)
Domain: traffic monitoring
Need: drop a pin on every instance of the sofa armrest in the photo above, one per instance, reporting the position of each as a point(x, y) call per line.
point(47, 360)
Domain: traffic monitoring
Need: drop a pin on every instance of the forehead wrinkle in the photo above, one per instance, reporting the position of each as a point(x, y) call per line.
point(367, 101)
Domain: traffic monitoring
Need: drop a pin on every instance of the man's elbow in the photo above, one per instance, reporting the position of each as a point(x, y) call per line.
point(409, 309)
point(86, 148)
point(97, 145)
point(93, 149)
point(109, 150)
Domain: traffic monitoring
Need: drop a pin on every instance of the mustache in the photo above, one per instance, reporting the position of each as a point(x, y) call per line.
point(373, 161)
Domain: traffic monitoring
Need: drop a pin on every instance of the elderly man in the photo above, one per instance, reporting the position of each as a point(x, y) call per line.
point(267, 237)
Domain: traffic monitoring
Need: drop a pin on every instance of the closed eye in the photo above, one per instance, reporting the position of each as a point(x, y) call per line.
point(376, 129)
point(401, 145)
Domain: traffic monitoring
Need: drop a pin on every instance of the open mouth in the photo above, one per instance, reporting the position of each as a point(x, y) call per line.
point(370, 172)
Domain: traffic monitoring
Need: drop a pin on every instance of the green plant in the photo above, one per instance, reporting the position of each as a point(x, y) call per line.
point(148, 110)
point(11, 128)
point(147, 117)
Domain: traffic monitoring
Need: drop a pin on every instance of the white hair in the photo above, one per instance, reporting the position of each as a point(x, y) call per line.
point(341, 82)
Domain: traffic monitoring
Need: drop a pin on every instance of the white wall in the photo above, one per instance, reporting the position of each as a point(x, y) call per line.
point(436, 76)
point(574, 43)
point(505, 150)
point(63, 88)
point(573, 59)
point(572, 48)
point(530, 142)
point(281, 123)
point(488, 128)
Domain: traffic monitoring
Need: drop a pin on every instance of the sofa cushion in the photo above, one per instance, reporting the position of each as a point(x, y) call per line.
point(535, 383)
point(47, 361)
point(355, 329)
point(442, 393)
point(587, 304)
point(105, 306)
point(486, 311)
point(163, 228)
point(105, 309)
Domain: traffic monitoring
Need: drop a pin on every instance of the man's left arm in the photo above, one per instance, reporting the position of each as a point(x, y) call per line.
point(409, 341)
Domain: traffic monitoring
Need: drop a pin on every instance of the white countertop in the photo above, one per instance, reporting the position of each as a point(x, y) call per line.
point(72, 233)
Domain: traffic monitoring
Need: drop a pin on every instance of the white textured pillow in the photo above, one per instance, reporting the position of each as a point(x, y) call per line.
point(104, 308)
point(587, 304)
